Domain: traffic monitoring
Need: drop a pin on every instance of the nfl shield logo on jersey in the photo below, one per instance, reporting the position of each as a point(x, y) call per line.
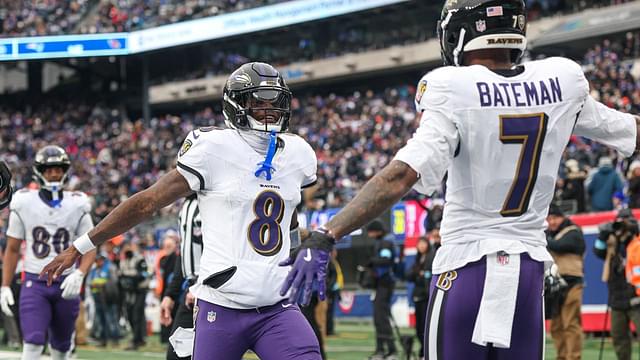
point(481, 25)
point(503, 258)
point(211, 316)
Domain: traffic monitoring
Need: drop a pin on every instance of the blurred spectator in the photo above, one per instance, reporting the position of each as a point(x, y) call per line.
point(134, 281)
point(382, 262)
point(611, 246)
point(634, 184)
point(335, 283)
point(165, 263)
point(603, 185)
point(420, 276)
point(574, 184)
point(103, 281)
point(566, 244)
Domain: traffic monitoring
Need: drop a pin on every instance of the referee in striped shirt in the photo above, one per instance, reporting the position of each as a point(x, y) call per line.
point(185, 272)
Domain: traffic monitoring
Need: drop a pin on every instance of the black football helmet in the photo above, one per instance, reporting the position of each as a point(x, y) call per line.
point(252, 89)
point(50, 156)
point(467, 25)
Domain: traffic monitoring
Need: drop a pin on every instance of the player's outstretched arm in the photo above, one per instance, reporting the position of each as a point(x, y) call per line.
point(10, 261)
point(378, 194)
point(128, 214)
point(309, 262)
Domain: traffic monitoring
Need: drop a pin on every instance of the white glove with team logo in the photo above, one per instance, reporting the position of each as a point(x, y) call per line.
point(6, 300)
point(71, 285)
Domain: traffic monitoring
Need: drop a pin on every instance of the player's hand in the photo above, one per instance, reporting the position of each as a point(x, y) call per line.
point(165, 311)
point(309, 269)
point(5, 185)
point(6, 300)
point(63, 261)
point(189, 300)
point(72, 284)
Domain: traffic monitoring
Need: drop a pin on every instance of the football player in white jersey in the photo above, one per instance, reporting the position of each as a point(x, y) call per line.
point(47, 219)
point(248, 179)
point(499, 129)
point(6, 191)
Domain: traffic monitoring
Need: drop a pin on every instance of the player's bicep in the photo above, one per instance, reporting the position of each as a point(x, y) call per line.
point(613, 128)
point(169, 188)
point(13, 245)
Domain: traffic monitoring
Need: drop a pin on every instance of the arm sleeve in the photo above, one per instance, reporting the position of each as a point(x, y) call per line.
point(608, 126)
point(16, 228)
point(193, 161)
point(431, 149)
point(174, 288)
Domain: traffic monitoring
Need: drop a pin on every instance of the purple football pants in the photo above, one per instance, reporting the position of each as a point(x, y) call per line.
point(453, 306)
point(277, 332)
point(42, 310)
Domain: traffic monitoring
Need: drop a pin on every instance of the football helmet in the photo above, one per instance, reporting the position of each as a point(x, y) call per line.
point(256, 97)
point(467, 25)
point(51, 156)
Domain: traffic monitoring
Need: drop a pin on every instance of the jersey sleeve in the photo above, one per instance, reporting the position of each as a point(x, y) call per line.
point(310, 167)
point(193, 161)
point(431, 149)
point(613, 128)
point(16, 228)
point(86, 223)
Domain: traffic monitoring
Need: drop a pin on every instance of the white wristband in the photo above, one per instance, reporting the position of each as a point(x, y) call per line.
point(83, 244)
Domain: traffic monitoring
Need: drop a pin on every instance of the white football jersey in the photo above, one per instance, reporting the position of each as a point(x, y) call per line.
point(500, 139)
point(245, 219)
point(47, 230)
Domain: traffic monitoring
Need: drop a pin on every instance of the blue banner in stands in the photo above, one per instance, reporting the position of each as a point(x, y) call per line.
point(187, 32)
point(48, 47)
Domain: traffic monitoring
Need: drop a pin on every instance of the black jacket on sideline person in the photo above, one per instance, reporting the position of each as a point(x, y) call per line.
point(423, 264)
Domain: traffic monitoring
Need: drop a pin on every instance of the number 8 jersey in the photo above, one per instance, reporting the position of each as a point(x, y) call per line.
point(245, 219)
point(500, 137)
point(47, 230)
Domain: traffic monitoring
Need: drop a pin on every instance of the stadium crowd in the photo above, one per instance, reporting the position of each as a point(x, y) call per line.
point(354, 135)
point(56, 17)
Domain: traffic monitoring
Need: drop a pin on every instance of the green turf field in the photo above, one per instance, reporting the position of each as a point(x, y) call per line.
point(355, 341)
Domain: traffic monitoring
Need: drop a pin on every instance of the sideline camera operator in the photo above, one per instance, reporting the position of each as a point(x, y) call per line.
point(566, 244)
point(611, 246)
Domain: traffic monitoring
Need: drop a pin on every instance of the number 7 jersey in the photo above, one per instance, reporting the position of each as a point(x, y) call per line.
point(47, 230)
point(501, 139)
point(245, 219)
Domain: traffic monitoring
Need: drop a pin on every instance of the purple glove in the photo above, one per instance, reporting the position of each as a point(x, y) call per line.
point(309, 269)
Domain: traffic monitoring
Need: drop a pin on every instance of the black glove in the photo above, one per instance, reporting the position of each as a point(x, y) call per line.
point(5, 184)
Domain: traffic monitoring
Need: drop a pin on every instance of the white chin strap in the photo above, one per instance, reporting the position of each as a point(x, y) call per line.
point(458, 49)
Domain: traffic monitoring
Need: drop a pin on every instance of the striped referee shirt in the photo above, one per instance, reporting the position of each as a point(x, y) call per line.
point(191, 234)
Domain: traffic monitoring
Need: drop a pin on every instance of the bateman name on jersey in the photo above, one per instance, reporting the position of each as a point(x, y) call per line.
point(525, 93)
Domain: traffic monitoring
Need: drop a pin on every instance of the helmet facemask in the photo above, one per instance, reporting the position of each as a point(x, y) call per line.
point(47, 158)
point(262, 108)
